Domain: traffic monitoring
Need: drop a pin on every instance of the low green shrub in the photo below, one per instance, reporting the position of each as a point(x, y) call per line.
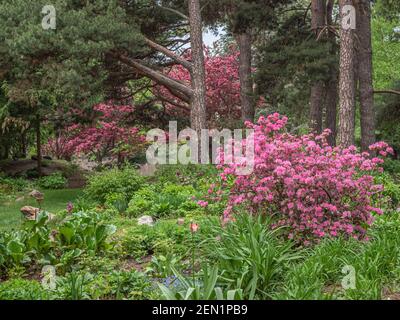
point(118, 285)
point(21, 289)
point(53, 181)
point(192, 174)
point(391, 191)
point(143, 240)
point(392, 166)
point(166, 201)
point(117, 201)
point(125, 181)
point(12, 185)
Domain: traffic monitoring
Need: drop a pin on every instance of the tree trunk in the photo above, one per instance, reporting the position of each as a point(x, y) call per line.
point(318, 13)
point(366, 89)
point(346, 81)
point(316, 105)
point(331, 106)
point(198, 74)
point(38, 146)
point(23, 144)
point(244, 41)
point(332, 84)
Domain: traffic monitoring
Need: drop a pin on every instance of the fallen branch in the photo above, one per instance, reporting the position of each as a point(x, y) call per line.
point(387, 91)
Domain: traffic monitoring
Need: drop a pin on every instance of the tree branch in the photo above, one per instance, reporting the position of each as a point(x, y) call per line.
point(387, 91)
point(176, 12)
point(156, 76)
point(170, 101)
point(170, 54)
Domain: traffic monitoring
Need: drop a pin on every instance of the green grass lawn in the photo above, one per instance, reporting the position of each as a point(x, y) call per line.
point(55, 200)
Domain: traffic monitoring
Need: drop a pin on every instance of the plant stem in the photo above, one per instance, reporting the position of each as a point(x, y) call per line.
point(193, 258)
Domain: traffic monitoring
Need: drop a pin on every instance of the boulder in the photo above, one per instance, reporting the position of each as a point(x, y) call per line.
point(37, 195)
point(29, 212)
point(146, 220)
point(147, 170)
point(20, 199)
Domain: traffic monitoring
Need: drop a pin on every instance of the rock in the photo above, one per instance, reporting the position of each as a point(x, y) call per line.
point(29, 212)
point(53, 235)
point(37, 195)
point(146, 220)
point(147, 170)
point(20, 199)
point(180, 221)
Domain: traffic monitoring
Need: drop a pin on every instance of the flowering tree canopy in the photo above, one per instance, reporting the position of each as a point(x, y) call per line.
point(109, 135)
point(222, 86)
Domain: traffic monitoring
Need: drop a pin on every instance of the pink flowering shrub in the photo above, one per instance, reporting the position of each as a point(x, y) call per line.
point(110, 134)
point(311, 188)
point(59, 148)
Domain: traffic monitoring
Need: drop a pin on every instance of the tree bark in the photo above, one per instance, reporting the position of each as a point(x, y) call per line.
point(38, 146)
point(316, 105)
point(244, 41)
point(332, 84)
point(331, 106)
point(198, 74)
point(318, 14)
point(346, 82)
point(23, 144)
point(366, 90)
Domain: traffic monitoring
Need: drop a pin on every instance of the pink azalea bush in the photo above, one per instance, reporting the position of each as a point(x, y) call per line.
point(313, 189)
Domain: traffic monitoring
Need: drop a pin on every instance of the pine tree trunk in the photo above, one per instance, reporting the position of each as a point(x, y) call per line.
point(23, 144)
point(38, 146)
point(244, 41)
point(318, 13)
point(198, 100)
point(331, 107)
point(346, 83)
point(316, 105)
point(331, 99)
point(365, 74)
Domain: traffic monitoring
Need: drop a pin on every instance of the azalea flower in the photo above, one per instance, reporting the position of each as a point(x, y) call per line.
point(194, 227)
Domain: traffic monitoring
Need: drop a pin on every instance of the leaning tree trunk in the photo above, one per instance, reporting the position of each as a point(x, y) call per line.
point(244, 41)
point(198, 99)
point(366, 89)
point(38, 146)
point(332, 84)
point(318, 13)
point(346, 80)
